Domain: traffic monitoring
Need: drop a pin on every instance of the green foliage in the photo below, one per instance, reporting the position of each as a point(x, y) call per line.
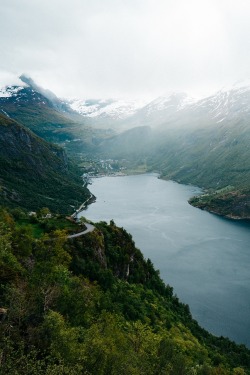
point(234, 204)
point(9, 265)
point(70, 306)
point(22, 241)
point(36, 174)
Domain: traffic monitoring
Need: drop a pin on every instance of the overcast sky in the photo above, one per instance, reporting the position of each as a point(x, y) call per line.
point(125, 48)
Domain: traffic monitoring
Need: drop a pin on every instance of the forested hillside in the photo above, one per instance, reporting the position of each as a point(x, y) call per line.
point(35, 173)
point(94, 305)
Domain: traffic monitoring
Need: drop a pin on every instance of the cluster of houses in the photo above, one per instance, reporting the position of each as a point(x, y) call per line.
point(45, 216)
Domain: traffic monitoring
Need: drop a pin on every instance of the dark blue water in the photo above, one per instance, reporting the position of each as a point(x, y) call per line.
point(204, 257)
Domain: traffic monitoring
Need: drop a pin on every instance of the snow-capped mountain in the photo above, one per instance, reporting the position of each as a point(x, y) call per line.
point(226, 105)
point(29, 91)
point(174, 109)
point(168, 103)
point(106, 108)
point(13, 98)
point(21, 95)
point(171, 110)
point(99, 112)
point(163, 108)
point(41, 111)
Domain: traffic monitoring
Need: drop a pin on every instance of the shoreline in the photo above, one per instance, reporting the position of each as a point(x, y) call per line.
point(232, 217)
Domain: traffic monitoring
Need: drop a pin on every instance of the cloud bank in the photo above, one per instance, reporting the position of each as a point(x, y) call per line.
point(132, 48)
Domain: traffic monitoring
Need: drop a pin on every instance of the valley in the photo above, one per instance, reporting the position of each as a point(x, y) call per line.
point(93, 297)
point(203, 142)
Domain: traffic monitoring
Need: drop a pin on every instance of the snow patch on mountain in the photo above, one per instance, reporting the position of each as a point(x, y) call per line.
point(172, 102)
point(226, 104)
point(10, 91)
point(116, 109)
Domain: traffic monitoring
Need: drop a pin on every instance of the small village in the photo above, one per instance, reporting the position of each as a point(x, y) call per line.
point(100, 168)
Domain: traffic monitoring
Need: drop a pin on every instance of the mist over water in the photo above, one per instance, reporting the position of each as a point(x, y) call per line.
point(204, 257)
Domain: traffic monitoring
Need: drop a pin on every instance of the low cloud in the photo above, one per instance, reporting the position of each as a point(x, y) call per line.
point(135, 48)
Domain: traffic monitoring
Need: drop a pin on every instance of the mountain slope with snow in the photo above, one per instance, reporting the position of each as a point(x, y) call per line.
point(203, 142)
point(106, 108)
point(226, 104)
point(45, 114)
point(178, 110)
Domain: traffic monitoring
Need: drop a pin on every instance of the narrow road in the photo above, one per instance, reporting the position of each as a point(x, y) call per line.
point(74, 215)
point(90, 228)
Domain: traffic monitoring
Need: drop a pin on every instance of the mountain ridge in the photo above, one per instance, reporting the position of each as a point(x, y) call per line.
point(46, 115)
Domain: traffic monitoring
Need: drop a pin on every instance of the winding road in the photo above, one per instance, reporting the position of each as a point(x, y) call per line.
point(90, 228)
point(74, 215)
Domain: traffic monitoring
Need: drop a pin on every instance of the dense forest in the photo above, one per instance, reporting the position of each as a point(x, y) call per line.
point(94, 305)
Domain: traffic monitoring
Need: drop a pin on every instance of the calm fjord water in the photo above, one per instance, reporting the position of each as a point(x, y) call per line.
point(205, 258)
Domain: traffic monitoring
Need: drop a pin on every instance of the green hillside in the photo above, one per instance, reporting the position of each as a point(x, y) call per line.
point(212, 157)
point(34, 173)
point(94, 305)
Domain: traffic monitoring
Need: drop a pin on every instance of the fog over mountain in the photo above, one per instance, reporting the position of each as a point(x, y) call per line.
point(132, 49)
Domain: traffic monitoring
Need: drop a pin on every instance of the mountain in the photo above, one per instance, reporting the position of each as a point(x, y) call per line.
point(203, 142)
point(157, 111)
point(57, 103)
point(125, 114)
point(106, 108)
point(227, 105)
point(46, 115)
point(211, 138)
point(180, 110)
point(34, 173)
point(106, 113)
point(170, 110)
